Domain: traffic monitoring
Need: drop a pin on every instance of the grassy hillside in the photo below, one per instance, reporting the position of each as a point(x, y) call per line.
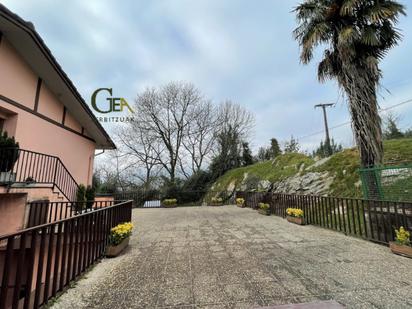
point(343, 166)
point(286, 165)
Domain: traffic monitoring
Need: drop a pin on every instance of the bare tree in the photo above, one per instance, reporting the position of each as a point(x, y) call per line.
point(234, 128)
point(165, 114)
point(176, 131)
point(114, 170)
point(142, 151)
point(391, 130)
point(199, 139)
point(234, 117)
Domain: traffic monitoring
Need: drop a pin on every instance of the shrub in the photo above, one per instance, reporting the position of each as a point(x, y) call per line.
point(80, 197)
point(198, 182)
point(403, 237)
point(294, 212)
point(120, 232)
point(240, 201)
point(171, 189)
point(217, 200)
point(264, 206)
point(9, 152)
point(170, 202)
point(6, 141)
point(89, 196)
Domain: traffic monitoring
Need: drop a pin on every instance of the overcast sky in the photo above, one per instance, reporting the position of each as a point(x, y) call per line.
point(230, 49)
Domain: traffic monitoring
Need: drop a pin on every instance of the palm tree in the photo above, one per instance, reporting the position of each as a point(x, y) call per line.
point(357, 35)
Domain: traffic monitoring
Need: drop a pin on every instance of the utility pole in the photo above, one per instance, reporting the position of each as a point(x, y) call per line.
point(325, 118)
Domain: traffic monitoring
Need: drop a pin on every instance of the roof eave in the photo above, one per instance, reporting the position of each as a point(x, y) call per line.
point(30, 31)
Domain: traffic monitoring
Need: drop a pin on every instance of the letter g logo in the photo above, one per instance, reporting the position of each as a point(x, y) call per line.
point(94, 104)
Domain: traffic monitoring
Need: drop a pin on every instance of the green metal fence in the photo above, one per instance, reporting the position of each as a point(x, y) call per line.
point(389, 183)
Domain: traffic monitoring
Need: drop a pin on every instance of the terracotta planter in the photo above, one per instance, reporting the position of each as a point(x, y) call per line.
point(401, 249)
point(169, 206)
point(264, 212)
point(113, 251)
point(7, 177)
point(300, 221)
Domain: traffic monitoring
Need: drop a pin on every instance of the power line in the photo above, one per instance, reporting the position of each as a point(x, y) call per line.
point(349, 122)
point(396, 105)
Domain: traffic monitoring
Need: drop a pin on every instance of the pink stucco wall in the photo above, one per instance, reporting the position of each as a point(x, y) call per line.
point(71, 122)
point(19, 83)
point(49, 106)
point(12, 210)
point(75, 151)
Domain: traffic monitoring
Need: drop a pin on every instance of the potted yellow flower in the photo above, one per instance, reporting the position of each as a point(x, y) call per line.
point(402, 243)
point(264, 209)
point(169, 203)
point(119, 239)
point(216, 201)
point(240, 202)
point(295, 215)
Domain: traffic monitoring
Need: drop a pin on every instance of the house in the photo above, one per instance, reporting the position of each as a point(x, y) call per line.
point(56, 131)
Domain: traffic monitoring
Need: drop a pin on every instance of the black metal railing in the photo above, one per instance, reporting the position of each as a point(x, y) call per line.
point(39, 262)
point(370, 219)
point(25, 167)
point(154, 198)
point(42, 212)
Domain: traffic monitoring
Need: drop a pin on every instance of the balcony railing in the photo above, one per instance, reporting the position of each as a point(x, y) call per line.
point(25, 168)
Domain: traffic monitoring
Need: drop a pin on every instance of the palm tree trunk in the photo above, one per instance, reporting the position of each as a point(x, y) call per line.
point(366, 124)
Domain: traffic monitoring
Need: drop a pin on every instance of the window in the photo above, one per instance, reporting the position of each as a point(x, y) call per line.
point(1, 124)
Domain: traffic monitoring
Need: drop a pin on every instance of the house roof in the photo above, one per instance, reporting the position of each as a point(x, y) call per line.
point(24, 38)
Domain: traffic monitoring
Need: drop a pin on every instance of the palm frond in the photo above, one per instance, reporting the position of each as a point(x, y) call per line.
point(317, 33)
point(348, 7)
point(369, 36)
point(325, 70)
point(372, 66)
point(386, 10)
point(306, 10)
point(310, 36)
point(348, 35)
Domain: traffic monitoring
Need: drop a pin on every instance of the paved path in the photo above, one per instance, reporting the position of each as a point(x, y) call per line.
point(227, 257)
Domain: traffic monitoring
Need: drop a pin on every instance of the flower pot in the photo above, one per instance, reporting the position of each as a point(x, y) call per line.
point(401, 249)
point(296, 220)
point(264, 212)
point(6, 177)
point(169, 206)
point(113, 251)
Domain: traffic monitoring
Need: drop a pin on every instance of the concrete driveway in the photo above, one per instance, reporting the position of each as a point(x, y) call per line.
point(227, 257)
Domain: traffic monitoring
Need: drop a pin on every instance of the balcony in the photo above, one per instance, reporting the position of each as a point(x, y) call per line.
point(21, 168)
